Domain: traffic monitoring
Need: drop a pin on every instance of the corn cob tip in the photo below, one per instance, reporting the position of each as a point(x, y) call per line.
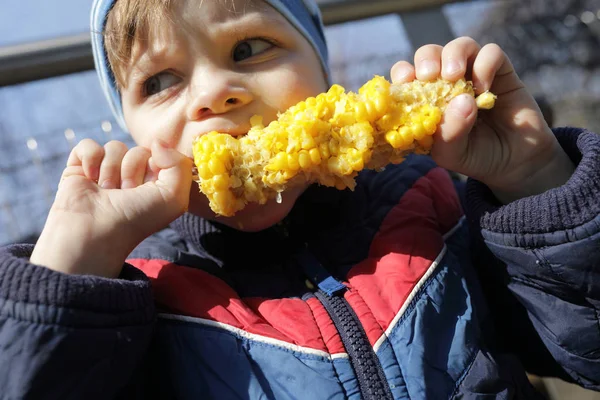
point(486, 100)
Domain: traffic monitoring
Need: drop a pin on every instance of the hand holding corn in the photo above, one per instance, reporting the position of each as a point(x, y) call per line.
point(328, 139)
point(510, 148)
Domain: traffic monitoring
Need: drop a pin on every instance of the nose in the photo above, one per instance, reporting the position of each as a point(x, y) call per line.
point(216, 94)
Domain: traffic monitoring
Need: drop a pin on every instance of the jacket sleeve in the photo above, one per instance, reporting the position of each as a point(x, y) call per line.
point(66, 336)
point(543, 281)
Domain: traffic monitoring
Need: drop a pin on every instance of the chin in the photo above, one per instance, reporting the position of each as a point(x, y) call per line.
point(254, 217)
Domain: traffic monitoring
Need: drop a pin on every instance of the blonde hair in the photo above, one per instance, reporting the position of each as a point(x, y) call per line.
point(127, 22)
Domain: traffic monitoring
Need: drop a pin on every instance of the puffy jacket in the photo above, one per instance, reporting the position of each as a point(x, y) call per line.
point(378, 293)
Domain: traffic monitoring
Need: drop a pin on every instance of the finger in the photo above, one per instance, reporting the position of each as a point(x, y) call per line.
point(451, 140)
point(87, 154)
point(402, 72)
point(428, 62)
point(151, 171)
point(457, 58)
point(110, 169)
point(71, 171)
point(133, 167)
point(493, 71)
point(175, 175)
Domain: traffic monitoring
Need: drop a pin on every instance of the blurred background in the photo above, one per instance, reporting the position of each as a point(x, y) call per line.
point(50, 99)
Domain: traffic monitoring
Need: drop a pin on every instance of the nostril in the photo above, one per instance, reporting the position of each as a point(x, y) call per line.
point(232, 101)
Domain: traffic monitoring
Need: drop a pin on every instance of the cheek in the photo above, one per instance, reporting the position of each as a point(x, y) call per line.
point(297, 80)
point(147, 125)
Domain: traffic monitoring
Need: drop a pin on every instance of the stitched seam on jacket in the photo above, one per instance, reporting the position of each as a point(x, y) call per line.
point(325, 345)
point(252, 338)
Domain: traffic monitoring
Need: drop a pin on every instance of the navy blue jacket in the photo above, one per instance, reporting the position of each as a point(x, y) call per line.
point(377, 293)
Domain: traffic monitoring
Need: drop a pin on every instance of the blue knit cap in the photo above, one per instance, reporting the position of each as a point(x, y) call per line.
point(304, 15)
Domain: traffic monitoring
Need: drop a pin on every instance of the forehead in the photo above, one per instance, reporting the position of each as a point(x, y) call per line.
point(216, 19)
point(198, 14)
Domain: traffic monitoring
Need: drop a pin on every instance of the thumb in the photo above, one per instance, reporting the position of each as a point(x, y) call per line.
point(174, 171)
point(452, 136)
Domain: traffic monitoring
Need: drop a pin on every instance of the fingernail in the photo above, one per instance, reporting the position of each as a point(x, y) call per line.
point(402, 73)
point(452, 67)
point(461, 105)
point(427, 67)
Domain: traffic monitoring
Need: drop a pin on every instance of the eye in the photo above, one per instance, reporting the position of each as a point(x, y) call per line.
point(159, 82)
point(249, 48)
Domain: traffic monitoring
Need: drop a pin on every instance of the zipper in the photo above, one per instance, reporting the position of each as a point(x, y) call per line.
point(371, 378)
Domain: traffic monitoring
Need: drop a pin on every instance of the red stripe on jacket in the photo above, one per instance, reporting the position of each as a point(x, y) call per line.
point(409, 240)
point(195, 293)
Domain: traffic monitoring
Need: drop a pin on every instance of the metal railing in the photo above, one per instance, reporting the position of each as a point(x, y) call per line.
point(60, 56)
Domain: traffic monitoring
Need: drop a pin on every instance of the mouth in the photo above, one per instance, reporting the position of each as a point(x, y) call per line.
point(235, 132)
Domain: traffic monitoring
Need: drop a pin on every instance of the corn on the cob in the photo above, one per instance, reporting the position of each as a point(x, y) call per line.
point(325, 139)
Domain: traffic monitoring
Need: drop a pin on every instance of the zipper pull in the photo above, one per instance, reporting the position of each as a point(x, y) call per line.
point(318, 274)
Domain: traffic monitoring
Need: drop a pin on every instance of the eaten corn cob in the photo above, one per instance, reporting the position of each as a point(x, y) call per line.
point(326, 139)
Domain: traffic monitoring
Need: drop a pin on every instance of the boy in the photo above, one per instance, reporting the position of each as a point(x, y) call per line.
point(330, 294)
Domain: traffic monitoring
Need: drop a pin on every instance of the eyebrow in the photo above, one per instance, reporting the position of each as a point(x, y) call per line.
point(140, 65)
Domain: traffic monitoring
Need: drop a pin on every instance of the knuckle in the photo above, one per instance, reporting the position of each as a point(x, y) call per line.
point(493, 48)
point(462, 44)
point(86, 143)
point(116, 146)
point(138, 152)
point(90, 149)
point(466, 40)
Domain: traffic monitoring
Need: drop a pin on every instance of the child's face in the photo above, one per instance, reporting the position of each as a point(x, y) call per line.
point(218, 64)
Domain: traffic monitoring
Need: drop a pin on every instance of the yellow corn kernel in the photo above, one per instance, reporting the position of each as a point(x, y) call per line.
point(334, 147)
point(292, 161)
point(406, 135)
point(394, 138)
point(417, 130)
point(326, 139)
point(360, 112)
point(430, 126)
point(204, 171)
point(315, 156)
point(279, 162)
point(221, 182)
point(304, 159)
point(486, 100)
point(216, 166)
point(355, 159)
point(308, 142)
point(333, 165)
point(324, 150)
